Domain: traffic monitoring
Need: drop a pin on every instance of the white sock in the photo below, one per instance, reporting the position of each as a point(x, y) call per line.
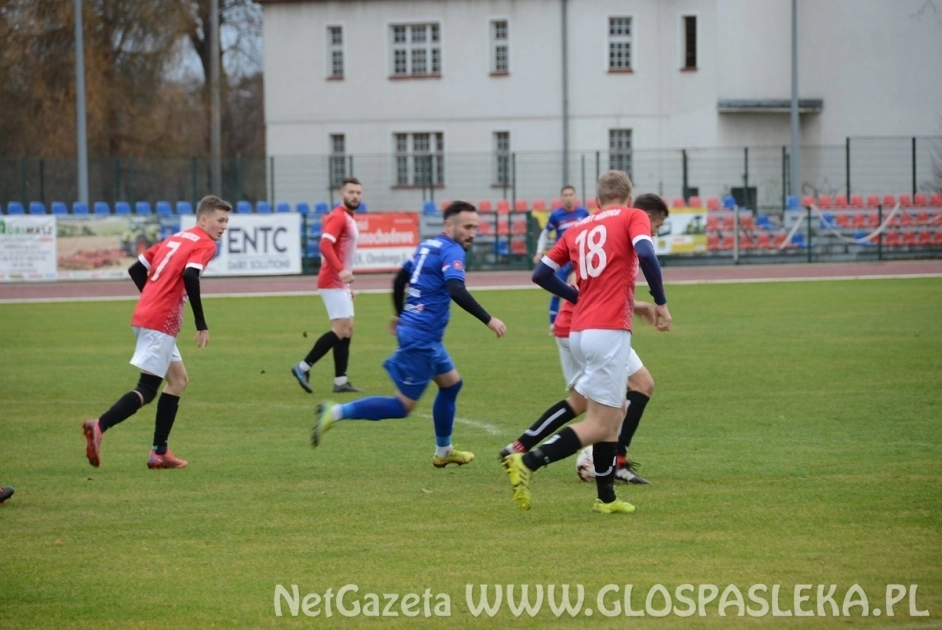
point(444, 451)
point(340, 380)
point(336, 413)
point(304, 366)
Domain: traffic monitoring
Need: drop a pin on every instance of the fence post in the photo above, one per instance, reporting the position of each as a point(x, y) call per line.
point(746, 177)
point(271, 177)
point(880, 222)
point(784, 176)
point(683, 159)
point(24, 193)
point(42, 180)
point(736, 234)
point(914, 166)
point(847, 163)
point(131, 187)
point(808, 209)
point(513, 180)
point(117, 180)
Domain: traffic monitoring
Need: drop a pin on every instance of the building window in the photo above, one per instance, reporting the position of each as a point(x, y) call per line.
point(619, 43)
point(420, 159)
point(619, 150)
point(338, 159)
point(690, 42)
point(416, 50)
point(502, 169)
point(500, 47)
point(335, 51)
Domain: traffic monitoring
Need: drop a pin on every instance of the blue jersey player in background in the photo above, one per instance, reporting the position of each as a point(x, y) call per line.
point(559, 221)
point(422, 293)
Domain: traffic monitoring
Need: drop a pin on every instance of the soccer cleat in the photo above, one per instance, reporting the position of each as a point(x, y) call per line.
point(167, 460)
point(519, 476)
point(615, 507)
point(455, 457)
point(5, 493)
point(323, 420)
point(302, 377)
point(346, 388)
point(93, 441)
point(626, 474)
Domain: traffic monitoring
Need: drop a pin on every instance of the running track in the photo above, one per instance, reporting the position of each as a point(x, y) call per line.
point(303, 285)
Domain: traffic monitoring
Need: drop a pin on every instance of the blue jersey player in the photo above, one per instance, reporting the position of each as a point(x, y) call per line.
point(422, 293)
point(559, 221)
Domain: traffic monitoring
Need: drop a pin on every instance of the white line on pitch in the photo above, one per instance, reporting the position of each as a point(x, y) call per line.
point(477, 424)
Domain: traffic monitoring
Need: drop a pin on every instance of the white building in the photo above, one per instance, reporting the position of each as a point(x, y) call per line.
point(443, 91)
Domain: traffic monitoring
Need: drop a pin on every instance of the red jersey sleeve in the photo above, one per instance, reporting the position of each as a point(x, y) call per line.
point(201, 255)
point(559, 253)
point(148, 256)
point(639, 225)
point(333, 227)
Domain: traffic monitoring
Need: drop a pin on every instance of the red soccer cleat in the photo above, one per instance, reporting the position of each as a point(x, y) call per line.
point(167, 460)
point(93, 439)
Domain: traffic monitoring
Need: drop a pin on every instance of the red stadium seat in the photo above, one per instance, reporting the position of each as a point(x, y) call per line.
point(745, 242)
point(873, 201)
point(892, 238)
point(539, 205)
point(906, 219)
point(807, 201)
point(872, 219)
point(889, 201)
point(856, 201)
point(905, 201)
point(713, 241)
point(925, 237)
point(840, 201)
point(485, 206)
point(679, 202)
point(824, 201)
point(937, 239)
point(713, 203)
point(909, 237)
point(922, 217)
point(503, 206)
point(842, 219)
point(445, 204)
point(518, 225)
point(765, 240)
point(919, 199)
point(521, 205)
point(727, 222)
point(486, 227)
point(713, 223)
point(593, 204)
point(694, 202)
point(518, 247)
point(935, 200)
point(503, 226)
point(556, 204)
point(859, 220)
point(779, 239)
point(747, 222)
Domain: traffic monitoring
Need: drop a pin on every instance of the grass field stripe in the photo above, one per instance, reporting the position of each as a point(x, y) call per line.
point(477, 424)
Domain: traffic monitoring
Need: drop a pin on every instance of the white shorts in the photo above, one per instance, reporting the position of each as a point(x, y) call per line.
point(339, 303)
point(602, 356)
point(570, 367)
point(155, 351)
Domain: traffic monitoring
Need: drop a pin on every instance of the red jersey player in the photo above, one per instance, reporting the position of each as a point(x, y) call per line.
point(338, 251)
point(605, 250)
point(166, 275)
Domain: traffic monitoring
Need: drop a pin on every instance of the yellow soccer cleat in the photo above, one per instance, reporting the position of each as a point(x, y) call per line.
point(454, 457)
point(323, 420)
point(519, 478)
point(615, 507)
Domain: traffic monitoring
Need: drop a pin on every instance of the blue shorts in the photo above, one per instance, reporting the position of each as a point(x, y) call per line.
point(416, 361)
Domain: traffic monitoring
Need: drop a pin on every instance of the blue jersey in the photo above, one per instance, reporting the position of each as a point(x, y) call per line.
point(426, 309)
point(560, 220)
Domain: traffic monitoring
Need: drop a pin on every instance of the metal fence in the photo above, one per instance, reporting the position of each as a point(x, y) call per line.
point(756, 176)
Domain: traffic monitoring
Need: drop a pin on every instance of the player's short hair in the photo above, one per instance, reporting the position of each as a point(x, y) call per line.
point(652, 204)
point(350, 180)
point(457, 207)
point(613, 186)
point(211, 203)
point(567, 187)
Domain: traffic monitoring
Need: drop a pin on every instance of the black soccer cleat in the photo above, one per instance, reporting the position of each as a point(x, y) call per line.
point(346, 388)
point(302, 379)
point(626, 474)
point(5, 493)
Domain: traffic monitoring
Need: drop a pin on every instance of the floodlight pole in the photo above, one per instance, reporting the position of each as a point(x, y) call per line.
point(794, 162)
point(565, 86)
point(80, 117)
point(215, 116)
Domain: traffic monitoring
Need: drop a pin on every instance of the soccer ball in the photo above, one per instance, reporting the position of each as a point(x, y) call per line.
point(585, 465)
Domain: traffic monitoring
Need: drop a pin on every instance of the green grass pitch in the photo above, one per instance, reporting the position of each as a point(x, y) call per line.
point(794, 438)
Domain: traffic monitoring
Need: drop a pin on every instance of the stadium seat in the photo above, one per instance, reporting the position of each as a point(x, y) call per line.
point(745, 242)
point(873, 201)
point(729, 201)
point(484, 205)
point(872, 219)
point(503, 226)
point(889, 201)
point(765, 240)
point(791, 202)
point(303, 208)
point(905, 201)
point(728, 222)
point(503, 206)
point(909, 237)
point(429, 208)
point(713, 223)
point(556, 204)
point(539, 205)
point(520, 205)
point(807, 201)
point(824, 201)
point(445, 203)
point(713, 203)
point(919, 199)
point(164, 208)
point(842, 219)
point(100, 208)
point(679, 202)
point(827, 221)
point(935, 200)
point(184, 207)
point(362, 208)
point(59, 207)
point(856, 201)
point(859, 220)
point(122, 208)
point(593, 204)
point(37, 207)
point(15, 207)
point(518, 247)
point(892, 238)
point(282, 207)
point(321, 207)
point(263, 207)
point(922, 217)
point(518, 225)
point(840, 201)
point(905, 219)
point(860, 235)
point(763, 221)
point(694, 202)
point(713, 241)
point(925, 237)
point(79, 208)
point(937, 238)
point(142, 207)
point(779, 239)
point(726, 242)
point(798, 240)
point(486, 227)
point(746, 221)
point(243, 207)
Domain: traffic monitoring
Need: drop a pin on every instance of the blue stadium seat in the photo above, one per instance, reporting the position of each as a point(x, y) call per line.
point(792, 202)
point(184, 207)
point(729, 201)
point(101, 208)
point(282, 206)
point(142, 207)
point(321, 207)
point(37, 207)
point(429, 207)
point(313, 249)
point(79, 208)
point(122, 207)
point(798, 240)
point(243, 207)
point(827, 221)
point(859, 235)
point(15, 207)
point(164, 208)
point(59, 207)
point(304, 208)
point(763, 222)
point(263, 207)
point(362, 209)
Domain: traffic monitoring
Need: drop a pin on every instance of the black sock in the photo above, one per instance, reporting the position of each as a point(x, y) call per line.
point(323, 345)
point(550, 422)
point(166, 414)
point(341, 357)
point(126, 407)
point(603, 454)
point(636, 404)
point(560, 446)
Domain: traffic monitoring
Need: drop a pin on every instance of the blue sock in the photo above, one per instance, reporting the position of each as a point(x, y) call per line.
point(443, 413)
point(374, 408)
point(554, 308)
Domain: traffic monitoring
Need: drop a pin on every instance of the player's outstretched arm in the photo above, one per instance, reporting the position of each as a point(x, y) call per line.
point(460, 296)
point(545, 276)
point(651, 269)
point(191, 281)
point(138, 273)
